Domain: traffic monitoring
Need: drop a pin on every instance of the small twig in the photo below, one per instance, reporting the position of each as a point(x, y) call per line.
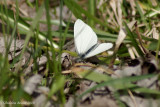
point(140, 38)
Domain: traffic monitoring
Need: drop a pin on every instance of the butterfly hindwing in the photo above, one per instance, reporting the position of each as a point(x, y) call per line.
point(99, 49)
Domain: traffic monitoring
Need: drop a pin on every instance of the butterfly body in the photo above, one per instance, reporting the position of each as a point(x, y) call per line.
point(83, 55)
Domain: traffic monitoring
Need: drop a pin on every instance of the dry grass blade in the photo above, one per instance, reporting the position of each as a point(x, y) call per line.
point(119, 40)
point(130, 50)
point(133, 99)
point(155, 33)
point(116, 5)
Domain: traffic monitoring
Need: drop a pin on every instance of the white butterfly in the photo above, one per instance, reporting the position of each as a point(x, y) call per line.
point(86, 41)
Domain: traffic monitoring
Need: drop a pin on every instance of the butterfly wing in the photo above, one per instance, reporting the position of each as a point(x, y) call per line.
point(100, 48)
point(84, 37)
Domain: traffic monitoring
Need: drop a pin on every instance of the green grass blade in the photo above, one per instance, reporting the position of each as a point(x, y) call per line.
point(91, 9)
point(121, 83)
point(133, 40)
point(142, 15)
point(78, 11)
point(22, 26)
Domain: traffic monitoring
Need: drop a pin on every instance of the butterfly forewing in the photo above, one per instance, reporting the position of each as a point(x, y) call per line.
point(84, 37)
